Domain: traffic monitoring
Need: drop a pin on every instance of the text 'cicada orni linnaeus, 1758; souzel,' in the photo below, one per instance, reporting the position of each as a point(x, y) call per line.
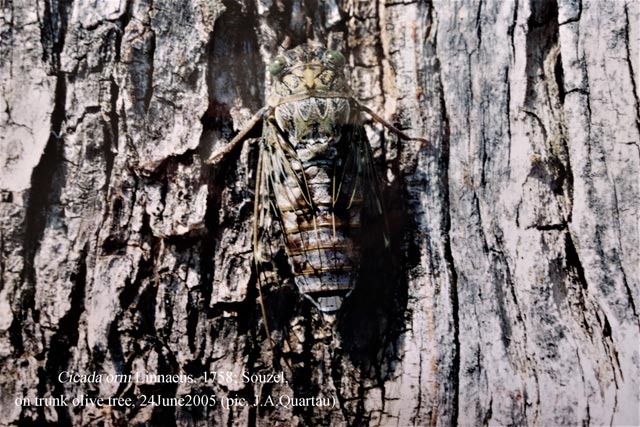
point(315, 172)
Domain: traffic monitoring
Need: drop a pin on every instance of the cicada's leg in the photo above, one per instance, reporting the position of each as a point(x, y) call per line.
point(388, 125)
point(264, 111)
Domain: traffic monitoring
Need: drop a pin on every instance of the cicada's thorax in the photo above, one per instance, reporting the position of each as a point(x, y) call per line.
point(315, 182)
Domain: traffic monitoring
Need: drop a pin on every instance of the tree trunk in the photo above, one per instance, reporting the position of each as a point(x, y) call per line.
point(514, 288)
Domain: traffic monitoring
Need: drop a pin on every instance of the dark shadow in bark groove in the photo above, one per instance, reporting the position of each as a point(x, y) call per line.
point(66, 337)
point(372, 318)
point(47, 181)
point(541, 37)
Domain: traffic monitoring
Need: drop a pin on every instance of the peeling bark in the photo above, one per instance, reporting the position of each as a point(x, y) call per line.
point(513, 293)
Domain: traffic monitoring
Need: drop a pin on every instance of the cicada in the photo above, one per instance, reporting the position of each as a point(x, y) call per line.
point(316, 175)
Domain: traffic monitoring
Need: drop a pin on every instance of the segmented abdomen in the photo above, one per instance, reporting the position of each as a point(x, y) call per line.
point(318, 195)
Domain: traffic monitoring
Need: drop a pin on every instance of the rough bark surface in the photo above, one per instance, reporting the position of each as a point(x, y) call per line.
point(516, 230)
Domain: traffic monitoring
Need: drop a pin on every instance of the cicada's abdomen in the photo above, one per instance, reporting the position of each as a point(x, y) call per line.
point(318, 193)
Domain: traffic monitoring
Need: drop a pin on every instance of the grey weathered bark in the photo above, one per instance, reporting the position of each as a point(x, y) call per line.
point(516, 296)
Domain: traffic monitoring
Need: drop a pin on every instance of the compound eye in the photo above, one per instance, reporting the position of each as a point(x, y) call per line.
point(277, 66)
point(335, 58)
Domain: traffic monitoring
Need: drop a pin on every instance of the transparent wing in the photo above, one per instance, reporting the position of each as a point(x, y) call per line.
point(268, 247)
point(286, 190)
point(358, 183)
point(267, 232)
point(374, 212)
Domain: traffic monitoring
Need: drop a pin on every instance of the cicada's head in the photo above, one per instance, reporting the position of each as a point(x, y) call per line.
point(308, 71)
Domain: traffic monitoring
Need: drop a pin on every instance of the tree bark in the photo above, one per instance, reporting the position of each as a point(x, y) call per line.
point(514, 291)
